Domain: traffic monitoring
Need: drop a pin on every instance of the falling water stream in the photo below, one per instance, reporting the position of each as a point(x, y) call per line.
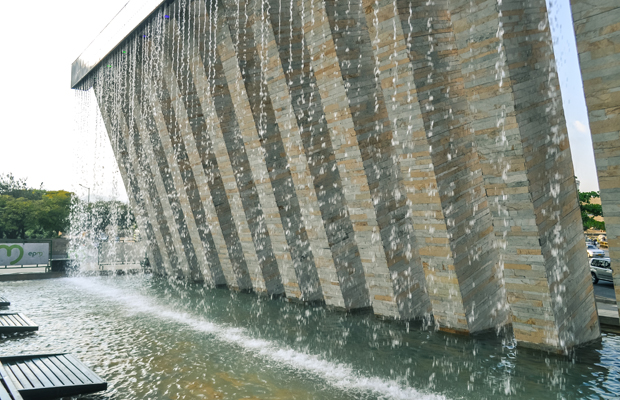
point(152, 339)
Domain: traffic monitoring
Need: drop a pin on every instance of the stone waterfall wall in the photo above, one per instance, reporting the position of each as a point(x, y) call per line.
point(597, 27)
point(405, 156)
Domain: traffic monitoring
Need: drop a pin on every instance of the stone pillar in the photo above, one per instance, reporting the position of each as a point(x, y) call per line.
point(184, 105)
point(139, 202)
point(468, 284)
point(530, 69)
point(143, 203)
point(339, 108)
point(309, 209)
point(206, 216)
point(268, 227)
point(307, 109)
point(598, 43)
point(105, 90)
point(183, 180)
point(302, 279)
point(221, 176)
point(167, 207)
point(401, 61)
point(379, 146)
point(170, 155)
point(520, 134)
point(236, 270)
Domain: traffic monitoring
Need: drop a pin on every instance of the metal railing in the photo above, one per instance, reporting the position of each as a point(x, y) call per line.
point(120, 253)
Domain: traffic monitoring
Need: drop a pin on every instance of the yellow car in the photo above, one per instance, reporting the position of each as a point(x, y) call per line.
point(602, 241)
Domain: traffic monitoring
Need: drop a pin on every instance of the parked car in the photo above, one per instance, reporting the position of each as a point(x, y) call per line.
point(602, 240)
point(600, 268)
point(594, 251)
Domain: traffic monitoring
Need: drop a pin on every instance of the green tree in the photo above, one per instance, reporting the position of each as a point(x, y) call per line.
point(589, 211)
point(17, 216)
point(28, 213)
point(54, 211)
point(104, 214)
point(18, 188)
point(9, 183)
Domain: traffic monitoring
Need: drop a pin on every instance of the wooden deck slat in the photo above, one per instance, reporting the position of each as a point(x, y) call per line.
point(84, 369)
point(51, 376)
point(24, 320)
point(76, 371)
point(19, 376)
point(32, 378)
point(41, 376)
point(7, 386)
point(62, 377)
point(14, 322)
point(4, 395)
point(68, 374)
point(28, 321)
point(13, 378)
point(48, 373)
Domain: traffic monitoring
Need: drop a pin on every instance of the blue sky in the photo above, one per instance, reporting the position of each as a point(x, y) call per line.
point(41, 140)
point(572, 94)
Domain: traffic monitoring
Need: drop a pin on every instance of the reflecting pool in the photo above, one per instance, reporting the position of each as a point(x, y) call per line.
point(152, 339)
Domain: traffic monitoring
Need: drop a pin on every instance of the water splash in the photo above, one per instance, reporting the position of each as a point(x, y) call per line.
point(337, 375)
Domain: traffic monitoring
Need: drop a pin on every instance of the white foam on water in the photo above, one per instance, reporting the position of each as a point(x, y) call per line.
point(338, 375)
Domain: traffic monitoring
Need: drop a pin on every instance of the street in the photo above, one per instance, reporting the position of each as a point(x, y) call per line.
point(604, 289)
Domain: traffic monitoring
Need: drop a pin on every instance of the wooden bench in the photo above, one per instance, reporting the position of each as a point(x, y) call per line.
point(49, 376)
point(4, 302)
point(15, 322)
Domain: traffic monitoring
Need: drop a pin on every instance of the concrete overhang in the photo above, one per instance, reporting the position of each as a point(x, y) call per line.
point(128, 19)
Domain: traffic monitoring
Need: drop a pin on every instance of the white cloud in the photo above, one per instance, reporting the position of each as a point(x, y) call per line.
point(581, 127)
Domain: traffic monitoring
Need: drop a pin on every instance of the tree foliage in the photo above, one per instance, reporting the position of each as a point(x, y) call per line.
point(589, 211)
point(28, 213)
point(8, 183)
point(106, 214)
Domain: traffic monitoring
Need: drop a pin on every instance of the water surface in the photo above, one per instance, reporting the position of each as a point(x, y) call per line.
point(151, 339)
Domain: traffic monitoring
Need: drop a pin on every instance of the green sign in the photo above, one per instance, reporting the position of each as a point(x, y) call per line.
point(24, 254)
point(9, 252)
